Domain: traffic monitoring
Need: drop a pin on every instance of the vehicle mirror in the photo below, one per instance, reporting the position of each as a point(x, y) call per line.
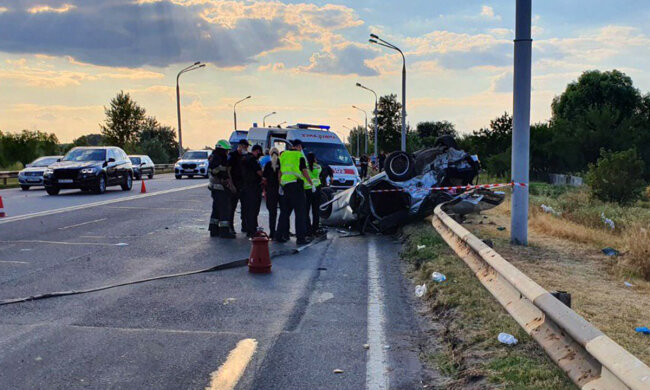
point(143, 163)
point(58, 160)
point(111, 159)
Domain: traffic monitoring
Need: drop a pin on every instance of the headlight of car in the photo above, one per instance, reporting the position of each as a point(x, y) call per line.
point(178, 164)
point(48, 172)
point(86, 171)
point(203, 164)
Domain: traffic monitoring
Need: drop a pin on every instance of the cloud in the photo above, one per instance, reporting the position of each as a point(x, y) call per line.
point(502, 83)
point(487, 12)
point(275, 67)
point(132, 33)
point(346, 59)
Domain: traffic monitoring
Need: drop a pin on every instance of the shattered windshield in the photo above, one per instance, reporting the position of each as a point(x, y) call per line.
point(328, 154)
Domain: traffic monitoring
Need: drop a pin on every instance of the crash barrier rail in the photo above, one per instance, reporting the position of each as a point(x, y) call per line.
point(467, 187)
point(4, 175)
point(591, 359)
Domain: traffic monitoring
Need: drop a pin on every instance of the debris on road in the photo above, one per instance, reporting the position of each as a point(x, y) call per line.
point(121, 244)
point(366, 346)
point(228, 301)
point(338, 371)
point(550, 210)
point(610, 252)
point(628, 284)
point(642, 329)
point(438, 277)
point(607, 221)
point(420, 290)
point(508, 339)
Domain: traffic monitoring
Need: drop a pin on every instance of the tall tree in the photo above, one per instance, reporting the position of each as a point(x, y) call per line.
point(158, 141)
point(389, 123)
point(26, 146)
point(124, 121)
point(427, 132)
point(356, 135)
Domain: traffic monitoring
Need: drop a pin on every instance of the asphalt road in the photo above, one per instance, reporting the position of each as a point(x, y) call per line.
point(341, 304)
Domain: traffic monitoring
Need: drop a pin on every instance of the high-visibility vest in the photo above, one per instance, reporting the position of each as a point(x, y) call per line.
point(290, 166)
point(314, 174)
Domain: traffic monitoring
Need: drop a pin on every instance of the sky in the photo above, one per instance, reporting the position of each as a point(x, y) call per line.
point(61, 61)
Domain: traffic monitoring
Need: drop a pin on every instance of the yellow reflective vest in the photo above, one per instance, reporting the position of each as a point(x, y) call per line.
point(314, 174)
point(290, 166)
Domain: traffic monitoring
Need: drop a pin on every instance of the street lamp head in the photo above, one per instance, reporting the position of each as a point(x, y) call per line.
point(197, 62)
point(372, 41)
point(248, 97)
point(374, 36)
point(353, 106)
point(359, 85)
point(202, 65)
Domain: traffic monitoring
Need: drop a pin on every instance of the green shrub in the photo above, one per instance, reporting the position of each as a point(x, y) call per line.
point(617, 176)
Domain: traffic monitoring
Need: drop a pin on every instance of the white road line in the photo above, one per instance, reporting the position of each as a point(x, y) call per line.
point(95, 204)
point(152, 208)
point(12, 262)
point(228, 375)
point(59, 243)
point(82, 224)
point(377, 361)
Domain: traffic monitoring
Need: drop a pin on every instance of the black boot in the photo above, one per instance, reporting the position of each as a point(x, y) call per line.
point(224, 232)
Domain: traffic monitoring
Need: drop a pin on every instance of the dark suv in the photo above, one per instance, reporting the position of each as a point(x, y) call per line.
point(90, 169)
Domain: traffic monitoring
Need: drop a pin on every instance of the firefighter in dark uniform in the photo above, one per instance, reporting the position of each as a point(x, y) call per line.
point(221, 188)
point(313, 196)
point(251, 191)
point(235, 158)
point(293, 172)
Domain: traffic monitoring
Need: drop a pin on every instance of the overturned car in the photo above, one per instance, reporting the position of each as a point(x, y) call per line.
point(408, 190)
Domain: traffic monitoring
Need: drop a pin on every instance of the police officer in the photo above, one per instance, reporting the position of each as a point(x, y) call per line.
point(272, 188)
point(221, 188)
point(293, 172)
point(251, 191)
point(235, 163)
point(312, 193)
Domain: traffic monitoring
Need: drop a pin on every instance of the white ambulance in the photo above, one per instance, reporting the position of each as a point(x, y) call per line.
point(325, 144)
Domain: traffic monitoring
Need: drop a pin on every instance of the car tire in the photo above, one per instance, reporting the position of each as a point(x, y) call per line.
point(399, 166)
point(326, 194)
point(150, 176)
point(137, 177)
point(52, 190)
point(178, 177)
point(100, 186)
point(128, 183)
point(24, 188)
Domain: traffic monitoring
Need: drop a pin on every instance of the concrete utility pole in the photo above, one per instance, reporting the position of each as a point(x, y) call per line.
point(234, 110)
point(521, 123)
point(266, 116)
point(375, 112)
point(194, 66)
point(358, 135)
point(378, 41)
point(366, 135)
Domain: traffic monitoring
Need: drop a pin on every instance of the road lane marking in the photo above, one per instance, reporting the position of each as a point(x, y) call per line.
point(95, 204)
point(153, 208)
point(376, 363)
point(61, 243)
point(12, 262)
point(228, 375)
point(82, 224)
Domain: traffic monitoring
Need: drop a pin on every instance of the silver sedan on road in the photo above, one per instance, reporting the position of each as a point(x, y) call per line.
point(32, 175)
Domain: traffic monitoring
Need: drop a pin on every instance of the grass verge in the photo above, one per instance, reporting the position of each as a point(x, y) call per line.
point(469, 354)
point(11, 183)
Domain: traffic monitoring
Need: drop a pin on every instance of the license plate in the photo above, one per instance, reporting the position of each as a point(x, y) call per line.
point(33, 180)
point(65, 181)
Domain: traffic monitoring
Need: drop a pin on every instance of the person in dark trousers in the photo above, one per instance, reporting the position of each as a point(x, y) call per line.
point(251, 191)
point(271, 174)
point(382, 160)
point(326, 173)
point(293, 172)
point(235, 163)
point(220, 185)
point(364, 166)
point(312, 193)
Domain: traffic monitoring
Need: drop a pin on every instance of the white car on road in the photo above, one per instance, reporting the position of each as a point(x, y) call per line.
point(32, 175)
point(193, 163)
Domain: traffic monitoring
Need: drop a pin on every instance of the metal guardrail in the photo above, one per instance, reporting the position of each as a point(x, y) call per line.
point(591, 359)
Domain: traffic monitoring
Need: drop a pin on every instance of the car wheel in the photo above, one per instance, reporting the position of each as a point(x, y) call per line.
point(52, 190)
point(150, 176)
point(128, 183)
point(400, 166)
point(100, 187)
point(326, 194)
point(178, 177)
point(24, 188)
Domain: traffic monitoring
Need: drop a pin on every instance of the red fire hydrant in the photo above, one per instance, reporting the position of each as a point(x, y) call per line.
point(259, 261)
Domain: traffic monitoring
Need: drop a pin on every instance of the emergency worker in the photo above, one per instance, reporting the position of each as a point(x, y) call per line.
point(312, 193)
point(293, 172)
point(272, 189)
point(221, 189)
point(235, 158)
point(251, 191)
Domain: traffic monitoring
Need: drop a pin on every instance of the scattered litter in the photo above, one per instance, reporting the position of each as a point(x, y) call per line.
point(507, 338)
point(26, 249)
point(338, 371)
point(438, 277)
point(420, 290)
point(420, 247)
point(121, 244)
point(628, 284)
point(228, 301)
point(501, 228)
point(610, 251)
point(642, 329)
point(38, 358)
point(386, 346)
point(488, 242)
point(550, 210)
point(366, 346)
point(607, 221)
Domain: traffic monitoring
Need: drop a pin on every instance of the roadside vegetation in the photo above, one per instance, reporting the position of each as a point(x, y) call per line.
point(467, 352)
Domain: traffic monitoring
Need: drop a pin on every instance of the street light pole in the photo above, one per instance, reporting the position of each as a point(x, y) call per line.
point(378, 41)
point(266, 116)
point(192, 67)
point(366, 135)
point(521, 123)
point(234, 110)
point(350, 130)
point(358, 139)
point(375, 112)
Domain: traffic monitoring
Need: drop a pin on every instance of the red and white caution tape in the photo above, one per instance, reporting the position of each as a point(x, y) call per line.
point(467, 187)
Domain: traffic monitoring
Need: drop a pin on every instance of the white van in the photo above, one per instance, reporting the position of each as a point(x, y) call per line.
point(237, 136)
point(318, 139)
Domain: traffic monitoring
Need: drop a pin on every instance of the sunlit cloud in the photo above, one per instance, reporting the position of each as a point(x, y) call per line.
point(39, 9)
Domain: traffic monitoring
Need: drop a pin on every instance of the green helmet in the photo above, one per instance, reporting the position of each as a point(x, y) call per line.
point(222, 144)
